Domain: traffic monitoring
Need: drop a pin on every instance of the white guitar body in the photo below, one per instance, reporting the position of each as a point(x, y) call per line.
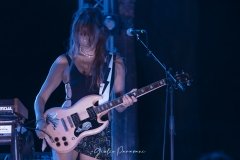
point(67, 126)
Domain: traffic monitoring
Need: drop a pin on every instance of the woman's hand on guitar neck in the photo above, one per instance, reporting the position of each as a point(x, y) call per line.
point(127, 101)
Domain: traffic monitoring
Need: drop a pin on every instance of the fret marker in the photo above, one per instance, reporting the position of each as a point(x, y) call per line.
point(102, 108)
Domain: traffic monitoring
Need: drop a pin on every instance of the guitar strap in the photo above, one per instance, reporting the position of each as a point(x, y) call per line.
point(107, 84)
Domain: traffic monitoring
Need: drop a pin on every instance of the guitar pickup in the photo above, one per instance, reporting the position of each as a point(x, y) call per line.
point(92, 114)
point(76, 120)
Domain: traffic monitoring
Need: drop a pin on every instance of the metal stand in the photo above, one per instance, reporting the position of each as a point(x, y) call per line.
point(171, 122)
point(172, 83)
point(15, 150)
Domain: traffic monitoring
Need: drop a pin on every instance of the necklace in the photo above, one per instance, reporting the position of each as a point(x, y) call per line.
point(85, 54)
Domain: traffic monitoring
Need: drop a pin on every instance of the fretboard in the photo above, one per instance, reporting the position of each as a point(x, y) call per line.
point(138, 93)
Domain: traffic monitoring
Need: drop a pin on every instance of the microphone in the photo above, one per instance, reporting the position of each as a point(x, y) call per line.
point(132, 32)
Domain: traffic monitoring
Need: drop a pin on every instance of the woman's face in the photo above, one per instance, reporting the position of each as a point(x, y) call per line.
point(89, 40)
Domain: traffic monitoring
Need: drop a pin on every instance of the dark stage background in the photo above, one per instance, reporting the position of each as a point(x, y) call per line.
point(200, 37)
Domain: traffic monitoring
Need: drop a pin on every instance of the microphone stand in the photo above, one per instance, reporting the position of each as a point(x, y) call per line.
point(172, 84)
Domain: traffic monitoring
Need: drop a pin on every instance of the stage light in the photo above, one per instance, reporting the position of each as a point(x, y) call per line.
point(110, 22)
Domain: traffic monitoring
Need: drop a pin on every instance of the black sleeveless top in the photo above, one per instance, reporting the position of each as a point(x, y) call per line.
point(81, 84)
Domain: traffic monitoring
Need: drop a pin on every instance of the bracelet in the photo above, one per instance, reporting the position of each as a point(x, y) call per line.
point(41, 119)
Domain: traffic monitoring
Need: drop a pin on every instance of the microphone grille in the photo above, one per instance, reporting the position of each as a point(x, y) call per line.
point(129, 32)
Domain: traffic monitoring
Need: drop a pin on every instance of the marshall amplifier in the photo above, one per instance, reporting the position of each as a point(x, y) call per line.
point(5, 132)
point(12, 116)
point(12, 109)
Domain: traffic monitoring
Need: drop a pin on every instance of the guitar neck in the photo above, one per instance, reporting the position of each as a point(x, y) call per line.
point(138, 93)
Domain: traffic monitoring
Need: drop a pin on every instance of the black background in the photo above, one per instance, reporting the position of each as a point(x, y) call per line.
point(200, 37)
